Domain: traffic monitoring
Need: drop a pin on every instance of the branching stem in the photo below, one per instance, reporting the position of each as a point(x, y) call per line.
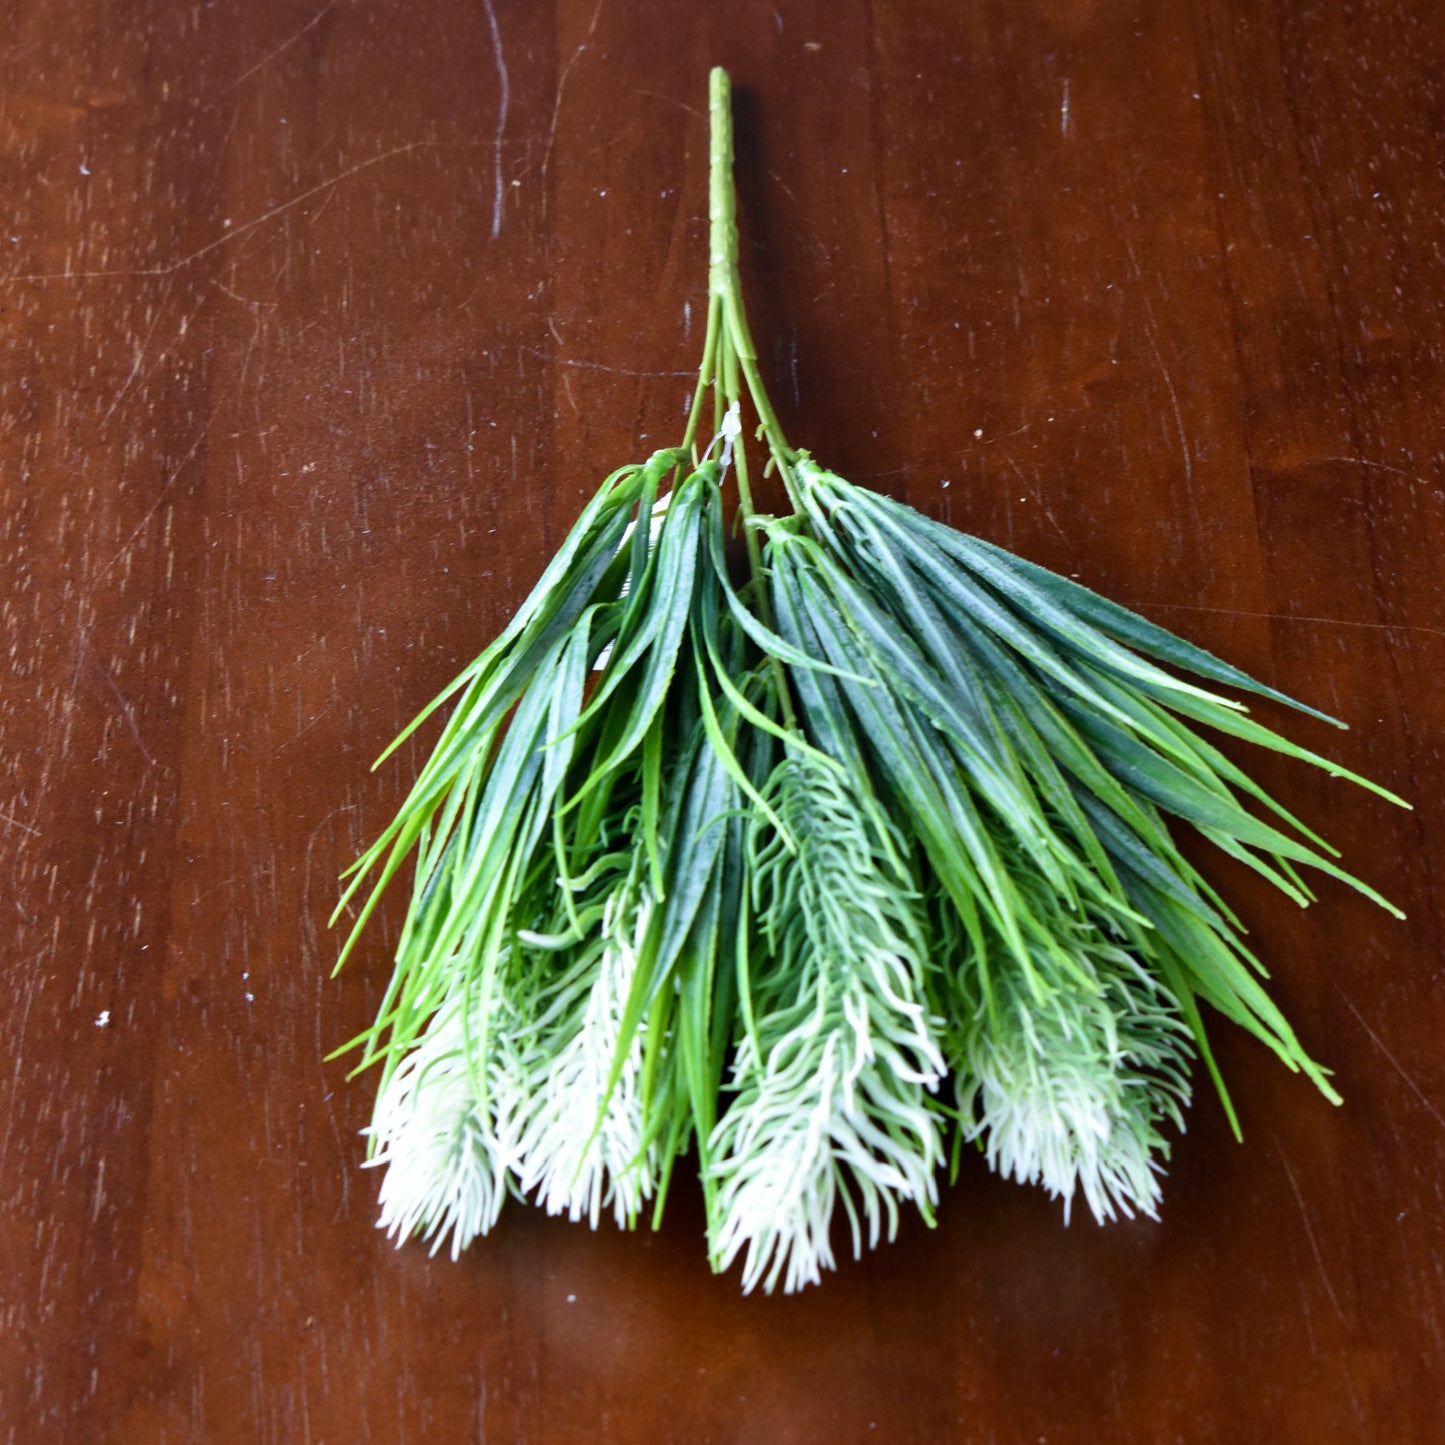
point(729, 358)
point(725, 288)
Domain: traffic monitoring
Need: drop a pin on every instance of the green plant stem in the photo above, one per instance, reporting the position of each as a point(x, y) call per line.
point(705, 372)
point(724, 283)
point(729, 358)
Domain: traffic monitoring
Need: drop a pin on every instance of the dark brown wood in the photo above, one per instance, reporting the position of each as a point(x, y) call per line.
point(317, 324)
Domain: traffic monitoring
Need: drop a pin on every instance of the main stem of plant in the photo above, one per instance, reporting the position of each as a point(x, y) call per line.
point(729, 358)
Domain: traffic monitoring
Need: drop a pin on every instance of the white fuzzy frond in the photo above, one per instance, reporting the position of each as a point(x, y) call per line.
point(1071, 1094)
point(446, 1164)
point(831, 1107)
point(577, 1154)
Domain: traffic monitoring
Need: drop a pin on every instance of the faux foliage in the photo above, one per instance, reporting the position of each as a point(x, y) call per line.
point(815, 875)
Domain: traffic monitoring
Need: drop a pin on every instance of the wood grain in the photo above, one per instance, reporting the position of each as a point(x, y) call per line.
point(318, 322)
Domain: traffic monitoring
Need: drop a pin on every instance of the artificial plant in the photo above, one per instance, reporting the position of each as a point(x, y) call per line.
point(818, 870)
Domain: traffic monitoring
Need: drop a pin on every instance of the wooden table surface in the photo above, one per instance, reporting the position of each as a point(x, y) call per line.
point(319, 321)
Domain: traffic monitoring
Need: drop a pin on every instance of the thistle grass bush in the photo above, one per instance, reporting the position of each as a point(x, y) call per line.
point(821, 874)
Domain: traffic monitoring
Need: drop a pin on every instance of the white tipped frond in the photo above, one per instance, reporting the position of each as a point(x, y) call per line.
point(446, 1164)
point(1071, 1093)
point(583, 1147)
point(831, 1106)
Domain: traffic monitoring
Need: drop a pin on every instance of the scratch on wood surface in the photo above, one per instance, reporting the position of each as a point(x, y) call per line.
point(1310, 1233)
point(284, 46)
point(1384, 467)
point(233, 232)
point(97, 1198)
point(1292, 617)
point(301, 732)
point(1151, 332)
point(1399, 1068)
point(673, 101)
point(787, 191)
point(140, 355)
point(31, 984)
point(578, 364)
point(561, 88)
point(125, 711)
point(1039, 498)
point(16, 823)
point(581, 365)
point(503, 96)
point(150, 511)
point(143, 349)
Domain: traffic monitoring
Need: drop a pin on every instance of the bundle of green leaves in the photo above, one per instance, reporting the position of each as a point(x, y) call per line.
point(819, 874)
